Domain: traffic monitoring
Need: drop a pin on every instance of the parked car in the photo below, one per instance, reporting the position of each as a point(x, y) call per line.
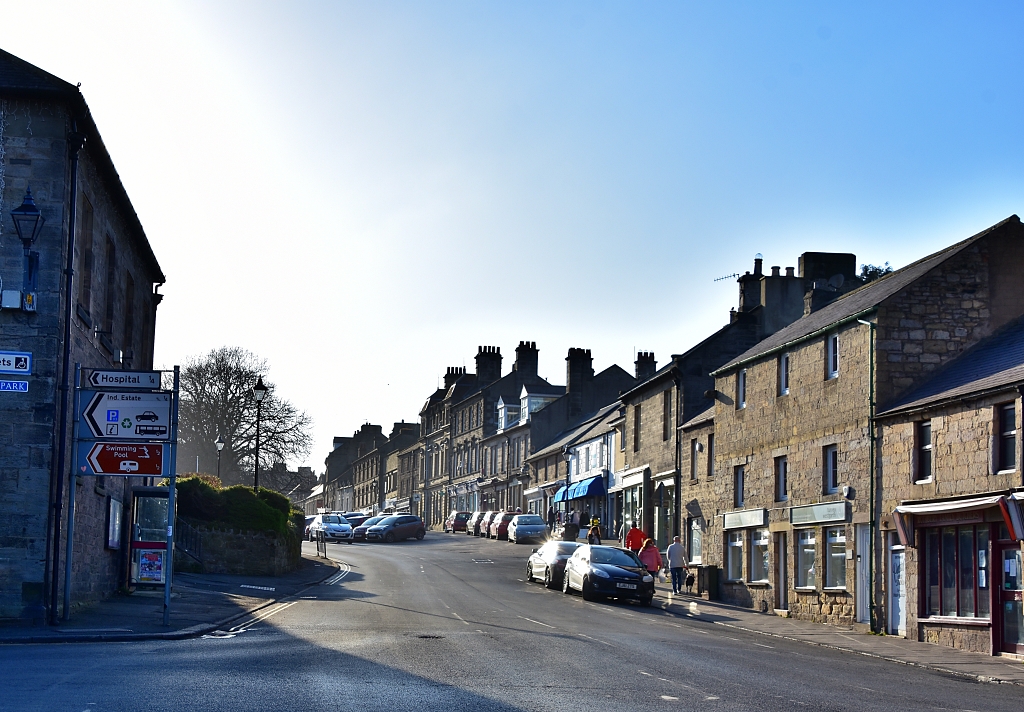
point(334, 526)
point(396, 528)
point(607, 572)
point(473, 523)
point(485, 523)
point(359, 531)
point(456, 522)
point(305, 532)
point(499, 525)
point(548, 562)
point(524, 527)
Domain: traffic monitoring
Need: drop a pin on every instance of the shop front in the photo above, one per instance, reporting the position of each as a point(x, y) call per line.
point(967, 568)
point(628, 502)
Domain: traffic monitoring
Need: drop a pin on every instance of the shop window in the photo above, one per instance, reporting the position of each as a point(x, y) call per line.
point(1007, 456)
point(923, 451)
point(830, 476)
point(741, 389)
point(832, 356)
point(734, 557)
point(695, 544)
point(759, 556)
point(784, 374)
point(739, 475)
point(835, 557)
point(956, 571)
point(805, 558)
point(781, 477)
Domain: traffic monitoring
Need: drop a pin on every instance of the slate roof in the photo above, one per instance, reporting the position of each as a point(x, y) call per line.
point(20, 79)
point(854, 303)
point(589, 425)
point(700, 418)
point(993, 364)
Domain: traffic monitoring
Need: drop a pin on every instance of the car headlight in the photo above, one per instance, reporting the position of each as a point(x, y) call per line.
point(600, 573)
point(648, 578)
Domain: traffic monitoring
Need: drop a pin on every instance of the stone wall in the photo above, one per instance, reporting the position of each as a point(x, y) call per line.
point(246, 553)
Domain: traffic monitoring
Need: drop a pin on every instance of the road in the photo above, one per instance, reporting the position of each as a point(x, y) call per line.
point(449, 624)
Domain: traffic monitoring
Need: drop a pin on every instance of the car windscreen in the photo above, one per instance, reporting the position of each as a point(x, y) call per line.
point(388, 520)
point(371, 521)
point(461, 517)
point(564, 548)
point(334, 519)
point(529, 520)
point(615, 557)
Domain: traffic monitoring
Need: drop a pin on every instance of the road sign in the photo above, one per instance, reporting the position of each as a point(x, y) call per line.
point(127, 459)
point(19, 362)
point(126, 415)
point(142, 380)
point(13, 386)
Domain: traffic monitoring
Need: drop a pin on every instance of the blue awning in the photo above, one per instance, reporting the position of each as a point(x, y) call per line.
point(592, 487)
point(560, 494)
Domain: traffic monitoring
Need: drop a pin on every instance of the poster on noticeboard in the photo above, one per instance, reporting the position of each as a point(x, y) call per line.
point(151, 566)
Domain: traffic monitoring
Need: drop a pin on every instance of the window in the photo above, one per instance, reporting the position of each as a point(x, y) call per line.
point(734, 557)
point(696, 540)
point(784, 374)
point(693, 458)
point(666, 414)
point(956, 571)
point(923, 447)
point(1007, 458)
point(835, 557)
point(636, 428)
point(831, 474)
point(781, 473)
point(759, 556)
point(108, 315)
point(832, 357)
point(741, 389)
point(86, 262)
point(129, 316)
point(738, 475)
point(711, 455)
point(805, 558)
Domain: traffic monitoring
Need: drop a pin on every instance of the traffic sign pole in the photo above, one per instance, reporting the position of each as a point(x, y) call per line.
point(169, 560)
point(71, 499)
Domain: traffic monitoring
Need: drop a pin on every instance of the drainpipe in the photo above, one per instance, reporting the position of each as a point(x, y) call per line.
point(871, 454)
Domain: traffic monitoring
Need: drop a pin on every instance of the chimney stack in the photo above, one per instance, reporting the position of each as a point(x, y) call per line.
point(526, 361)
point(488, 364)
point(579, 371)
point(645, 365)
point(454, 373)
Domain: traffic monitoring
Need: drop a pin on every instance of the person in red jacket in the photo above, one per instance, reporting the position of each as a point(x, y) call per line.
point(635, 539)
point(650, 557)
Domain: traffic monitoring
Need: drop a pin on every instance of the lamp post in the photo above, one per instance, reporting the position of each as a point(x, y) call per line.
point(219, 442)
point(260, 392)
point(28, 222)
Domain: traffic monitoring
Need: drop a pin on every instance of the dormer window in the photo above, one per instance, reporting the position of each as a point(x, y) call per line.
point(508, 414)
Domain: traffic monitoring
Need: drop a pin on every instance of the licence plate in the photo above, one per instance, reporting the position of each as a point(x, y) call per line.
point(626, 585)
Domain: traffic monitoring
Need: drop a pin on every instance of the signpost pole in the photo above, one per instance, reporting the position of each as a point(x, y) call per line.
point(172, 467)
point(71, 499)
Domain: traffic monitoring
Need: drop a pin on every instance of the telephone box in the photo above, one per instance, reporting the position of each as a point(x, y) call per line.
point(149, 560)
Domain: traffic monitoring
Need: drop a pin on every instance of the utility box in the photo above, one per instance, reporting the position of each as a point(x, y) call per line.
point(707, 582)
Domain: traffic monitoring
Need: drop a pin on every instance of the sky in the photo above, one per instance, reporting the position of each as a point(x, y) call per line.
point(363, 193)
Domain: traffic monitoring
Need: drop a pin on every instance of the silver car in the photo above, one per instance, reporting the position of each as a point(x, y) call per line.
point(525, 527)
point(334, 526)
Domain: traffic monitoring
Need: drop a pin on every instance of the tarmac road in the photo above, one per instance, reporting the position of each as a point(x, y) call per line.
point(449, 624)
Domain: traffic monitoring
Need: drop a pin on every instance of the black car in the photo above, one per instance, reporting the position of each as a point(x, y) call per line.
point(548, 562)
point(396, 528)
point(608, 572)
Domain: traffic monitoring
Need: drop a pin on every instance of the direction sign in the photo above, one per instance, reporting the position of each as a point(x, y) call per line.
point(142, 380)
point(128, 459)
point(15, 386)
point(126, 415)
point(19, 362)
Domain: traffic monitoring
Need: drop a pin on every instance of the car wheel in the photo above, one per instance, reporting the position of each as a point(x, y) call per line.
point(529, 572)
point(420, 534)
point(565, 584)
point(389, 537)
point(350, 541)
point(547, 578)
point(588, 590)
point(646, 601)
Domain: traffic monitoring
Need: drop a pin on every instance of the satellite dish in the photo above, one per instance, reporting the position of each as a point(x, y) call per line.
point(836, 280)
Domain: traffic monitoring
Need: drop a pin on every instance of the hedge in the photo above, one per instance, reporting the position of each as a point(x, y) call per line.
point(235, 507)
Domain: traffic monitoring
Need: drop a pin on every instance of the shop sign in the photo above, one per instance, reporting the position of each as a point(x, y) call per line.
point(818, 513)
point(745, 518)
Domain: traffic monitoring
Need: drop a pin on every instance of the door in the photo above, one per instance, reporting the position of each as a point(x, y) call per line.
point(1011, 597)
point(863, 534)
point(781, 580)
point(897, 591)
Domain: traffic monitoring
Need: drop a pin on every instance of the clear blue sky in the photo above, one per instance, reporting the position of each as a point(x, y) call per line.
point(363, 193)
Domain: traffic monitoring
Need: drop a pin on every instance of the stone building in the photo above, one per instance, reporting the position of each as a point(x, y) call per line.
point(795, 470)
point(410, 479)
point(49, 143)
point(339, 475)
point(374, 471)
point(951, 495)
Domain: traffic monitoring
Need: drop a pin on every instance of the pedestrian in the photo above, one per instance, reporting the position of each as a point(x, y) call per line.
point(676, 556)
point(594, 537)
point(551, 519)
point(650, 557)
point(585, 519)
point(635, 539)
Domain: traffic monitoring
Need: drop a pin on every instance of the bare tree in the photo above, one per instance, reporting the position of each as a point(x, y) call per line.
point(217, 399)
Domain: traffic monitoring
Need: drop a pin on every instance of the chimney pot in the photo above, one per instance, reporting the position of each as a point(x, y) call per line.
point(776, 271)
point(789, 272)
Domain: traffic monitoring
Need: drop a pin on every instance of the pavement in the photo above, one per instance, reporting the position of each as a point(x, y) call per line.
point(207, 603)
point(200, 604)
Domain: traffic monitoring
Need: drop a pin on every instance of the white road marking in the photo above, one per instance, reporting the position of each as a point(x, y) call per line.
point(645, 673)
point(242, 627)
point(762, 645)
point(537, 622)
point(712, 697)
point(669, 697)
point(258, 588)
point(459, 617)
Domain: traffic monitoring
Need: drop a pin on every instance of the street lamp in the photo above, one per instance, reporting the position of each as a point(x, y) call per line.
point(260, 392)
point(219, 442)
point(28, 222)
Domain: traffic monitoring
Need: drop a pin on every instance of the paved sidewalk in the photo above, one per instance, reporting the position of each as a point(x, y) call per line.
point(984, 668)
point(200, 603)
